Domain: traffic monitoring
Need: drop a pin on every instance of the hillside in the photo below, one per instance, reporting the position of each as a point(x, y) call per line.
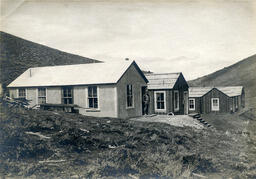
point(17, 55)
point(50, 144)
point(241, 73)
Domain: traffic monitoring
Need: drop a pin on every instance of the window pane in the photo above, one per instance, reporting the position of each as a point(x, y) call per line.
point(95, 100)
point(95, 91)
point(69, 92)
point(64, 92)
point(42, 92)
point(22, 93)
point(41, 100)
point(92, 97)
point(215, 102)
point(129, 96)
point(158, 105)
point(162, 96)
point(90, 102)
point(160, 100)
point(162, 105)
point(90, 91)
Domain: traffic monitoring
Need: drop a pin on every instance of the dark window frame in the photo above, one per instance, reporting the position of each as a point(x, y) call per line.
point(67, 95)
point(129, 96)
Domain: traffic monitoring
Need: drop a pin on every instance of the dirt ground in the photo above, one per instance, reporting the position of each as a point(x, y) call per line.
point(48, 144)
point(177, 120)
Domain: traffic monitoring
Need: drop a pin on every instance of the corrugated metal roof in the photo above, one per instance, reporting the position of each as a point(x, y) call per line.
point(91, 73)
point(162, 80)
point(228, 90)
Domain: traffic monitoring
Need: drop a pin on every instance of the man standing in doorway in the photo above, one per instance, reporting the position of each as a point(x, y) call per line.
point(146, 100)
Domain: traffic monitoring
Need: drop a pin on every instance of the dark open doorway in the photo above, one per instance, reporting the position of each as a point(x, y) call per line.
point(143, 91)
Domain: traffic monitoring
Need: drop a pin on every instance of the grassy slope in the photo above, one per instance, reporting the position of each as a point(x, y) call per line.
point(104, 147)
point(241, 73)
point(17, 55)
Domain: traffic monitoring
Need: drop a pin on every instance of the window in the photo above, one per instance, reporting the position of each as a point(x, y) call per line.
point(22, 93)
point(192, 104)
point(215, 104)
point(129, 94)
point(41, 95)
point(92, 97)
point(176, 100)
point(67, 95)
point(160, 101)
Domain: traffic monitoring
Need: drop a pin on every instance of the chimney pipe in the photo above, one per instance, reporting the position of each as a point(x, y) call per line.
point(30, 72)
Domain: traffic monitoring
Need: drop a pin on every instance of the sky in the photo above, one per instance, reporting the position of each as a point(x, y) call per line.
point(195, 37)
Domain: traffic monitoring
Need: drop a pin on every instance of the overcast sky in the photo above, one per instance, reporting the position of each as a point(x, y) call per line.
point(194, 37)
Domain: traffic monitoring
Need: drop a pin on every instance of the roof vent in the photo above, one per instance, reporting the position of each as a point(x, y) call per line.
point(126, 59)
point(30, 72)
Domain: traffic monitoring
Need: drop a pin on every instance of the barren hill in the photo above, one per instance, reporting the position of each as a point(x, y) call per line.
point(241, 73)
point(17, 55)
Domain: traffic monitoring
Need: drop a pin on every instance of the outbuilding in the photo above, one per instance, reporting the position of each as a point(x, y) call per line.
point(216, 99)
point(96, 89)
point(168, 93)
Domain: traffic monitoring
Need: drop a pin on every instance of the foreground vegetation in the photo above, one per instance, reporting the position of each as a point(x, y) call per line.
point(47, 144)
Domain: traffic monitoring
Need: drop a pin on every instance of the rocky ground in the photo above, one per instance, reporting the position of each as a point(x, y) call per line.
point(48, 144)
point(177, 120)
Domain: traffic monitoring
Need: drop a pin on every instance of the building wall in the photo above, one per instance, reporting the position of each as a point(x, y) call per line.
point(197, 106)
point(131, 76)
point(53, 95)
point(13, 92)
point(168, 98)
point(169, 101)
point(31, 96)
point(107, 101)
point(224, 105)
point(80, 96)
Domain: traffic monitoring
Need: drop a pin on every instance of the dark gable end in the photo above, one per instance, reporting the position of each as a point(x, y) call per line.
point(181, 82)
point(214, 89)
point(138, 69)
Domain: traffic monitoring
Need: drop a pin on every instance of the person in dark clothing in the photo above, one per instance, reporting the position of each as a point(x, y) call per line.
point(146, 100)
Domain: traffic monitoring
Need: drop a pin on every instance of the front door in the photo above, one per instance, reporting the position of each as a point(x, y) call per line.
point(185, 102)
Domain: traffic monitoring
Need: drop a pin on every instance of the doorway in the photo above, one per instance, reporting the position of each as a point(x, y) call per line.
point(143, 91)
point(185, 102)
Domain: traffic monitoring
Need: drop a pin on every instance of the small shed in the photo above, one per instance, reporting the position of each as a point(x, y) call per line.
point(168, 93)
point(216, 99)
point(112, 89)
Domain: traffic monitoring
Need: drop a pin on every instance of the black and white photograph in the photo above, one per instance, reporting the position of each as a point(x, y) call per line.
point(136, 89)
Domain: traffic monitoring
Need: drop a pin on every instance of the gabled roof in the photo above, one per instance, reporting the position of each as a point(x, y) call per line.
point(228, 90)
point(231, 90)
point(195, 92)
point(162, 80)
point(81, 74)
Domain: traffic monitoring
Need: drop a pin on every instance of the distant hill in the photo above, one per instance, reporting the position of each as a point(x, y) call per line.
point(17, 55)
point(241, 73)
